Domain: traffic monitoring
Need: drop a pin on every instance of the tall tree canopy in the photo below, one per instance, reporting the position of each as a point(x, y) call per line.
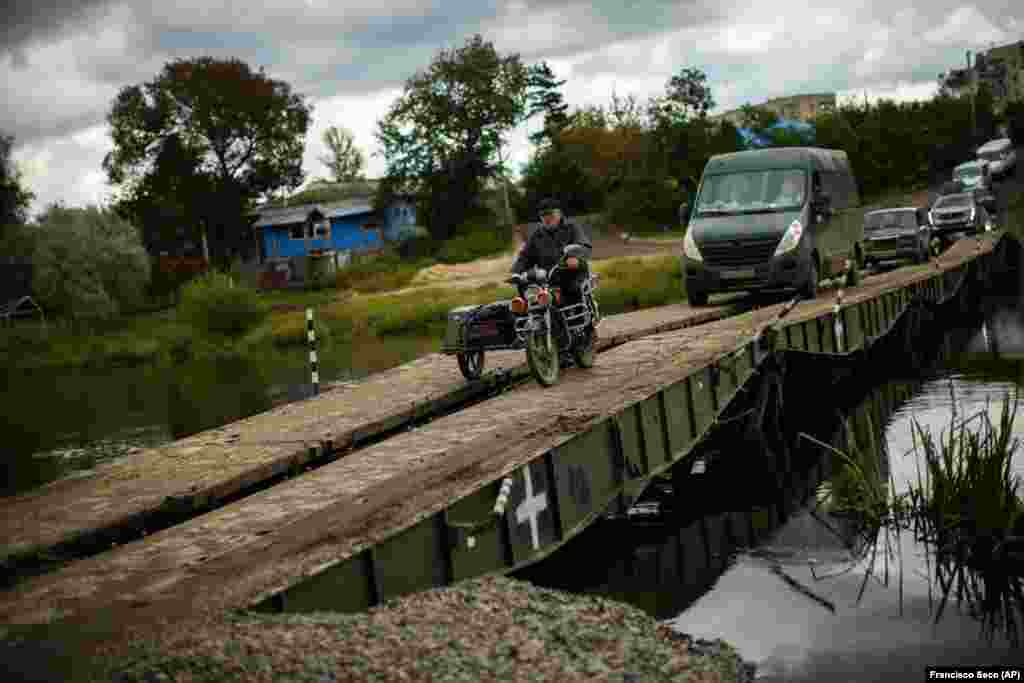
point(14, 198)
point(212, 129)
point(546, 98)
point(441, 136)
point(343, 158)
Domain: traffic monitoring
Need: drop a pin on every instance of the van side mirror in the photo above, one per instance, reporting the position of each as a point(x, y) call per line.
point(822, 204)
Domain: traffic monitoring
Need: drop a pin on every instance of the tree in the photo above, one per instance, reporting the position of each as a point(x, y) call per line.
point(440, 137)
point(87, 262)
point(237, 134)
point(344, 159)
point(14, 198)
point(757, 119)
point(545, 98)
point(689, 91)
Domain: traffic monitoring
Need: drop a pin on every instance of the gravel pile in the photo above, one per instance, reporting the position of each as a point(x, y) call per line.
point(488, 629)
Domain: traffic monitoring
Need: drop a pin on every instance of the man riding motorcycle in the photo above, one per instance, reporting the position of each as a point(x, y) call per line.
point(543, 248)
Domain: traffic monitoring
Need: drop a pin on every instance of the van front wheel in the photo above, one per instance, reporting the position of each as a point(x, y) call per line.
point(696, 298)
point(810, 287)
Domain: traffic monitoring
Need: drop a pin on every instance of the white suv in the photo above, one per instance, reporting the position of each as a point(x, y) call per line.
point(1000, 154)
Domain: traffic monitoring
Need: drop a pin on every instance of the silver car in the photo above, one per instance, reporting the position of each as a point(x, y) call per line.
point(958, 215)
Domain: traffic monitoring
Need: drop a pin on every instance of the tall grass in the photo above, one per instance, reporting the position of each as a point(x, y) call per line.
point(964, 508)
point(966, 505)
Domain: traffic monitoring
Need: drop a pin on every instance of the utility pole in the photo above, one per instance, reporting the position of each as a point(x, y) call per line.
point(504, 185)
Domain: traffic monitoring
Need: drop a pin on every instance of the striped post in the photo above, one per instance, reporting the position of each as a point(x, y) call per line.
point(314, 369)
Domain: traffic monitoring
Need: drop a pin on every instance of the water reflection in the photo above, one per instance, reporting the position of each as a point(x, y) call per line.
point(63, 421)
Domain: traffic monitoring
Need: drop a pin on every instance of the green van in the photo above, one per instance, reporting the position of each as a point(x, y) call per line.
point(772, 219)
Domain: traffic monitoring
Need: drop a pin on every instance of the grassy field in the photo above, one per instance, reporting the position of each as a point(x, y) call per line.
point(626, 283)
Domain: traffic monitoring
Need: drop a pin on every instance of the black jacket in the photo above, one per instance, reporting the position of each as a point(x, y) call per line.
point(544, 246)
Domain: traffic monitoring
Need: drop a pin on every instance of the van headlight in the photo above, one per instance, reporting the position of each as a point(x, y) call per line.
point(972, 214)
point(690, 247)
point(791, 239)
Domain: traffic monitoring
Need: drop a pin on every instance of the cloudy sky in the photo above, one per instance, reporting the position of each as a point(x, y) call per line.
point(62, 61)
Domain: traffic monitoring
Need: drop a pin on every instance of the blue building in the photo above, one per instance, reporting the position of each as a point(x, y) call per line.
point(342, 226)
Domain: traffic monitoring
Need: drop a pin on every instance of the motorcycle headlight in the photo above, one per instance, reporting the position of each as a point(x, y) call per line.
point(791, 239)
point(690, 247)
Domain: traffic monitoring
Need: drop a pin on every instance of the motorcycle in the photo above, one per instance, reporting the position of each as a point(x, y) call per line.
point(552, 334)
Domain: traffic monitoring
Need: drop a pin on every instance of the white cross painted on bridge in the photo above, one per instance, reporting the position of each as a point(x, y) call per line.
point(531, 507)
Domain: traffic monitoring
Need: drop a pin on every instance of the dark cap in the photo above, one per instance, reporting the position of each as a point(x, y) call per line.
point(548, 204)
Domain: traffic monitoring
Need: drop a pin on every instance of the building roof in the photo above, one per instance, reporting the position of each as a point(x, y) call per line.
point(299, 213)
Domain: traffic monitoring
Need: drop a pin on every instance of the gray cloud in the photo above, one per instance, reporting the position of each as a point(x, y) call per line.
point(32, 21)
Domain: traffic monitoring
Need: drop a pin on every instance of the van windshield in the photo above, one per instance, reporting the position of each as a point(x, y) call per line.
point(769, 190)
point(890, 219)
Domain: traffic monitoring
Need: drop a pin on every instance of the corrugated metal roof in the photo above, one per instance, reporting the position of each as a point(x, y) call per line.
point(297, 214)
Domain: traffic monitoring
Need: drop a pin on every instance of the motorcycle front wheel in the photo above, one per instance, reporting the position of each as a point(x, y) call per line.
point(542, 357)
point(583, 351)
point(471, 364)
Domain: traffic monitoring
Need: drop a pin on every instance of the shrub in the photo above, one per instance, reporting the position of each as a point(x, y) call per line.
point(381, 274)
point(214, 303)
point(472, 243)
point(88, 262)
point(644, 204)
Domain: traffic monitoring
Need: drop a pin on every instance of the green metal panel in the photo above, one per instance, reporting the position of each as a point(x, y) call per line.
point(584, 476)
point(342, 588)
point(487, 552)
point(649, 412)
point(812, 335)
point(827, 333)
point(411, 561)
point(677, 417)
point(631, 440)
point(700, 390)
point(532, 515)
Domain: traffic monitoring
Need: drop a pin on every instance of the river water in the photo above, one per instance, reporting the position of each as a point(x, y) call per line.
point(60, 422)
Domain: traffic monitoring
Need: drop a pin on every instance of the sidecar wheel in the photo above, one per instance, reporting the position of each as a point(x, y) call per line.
point(471, 364)
point(544, 362)
point(583, 354)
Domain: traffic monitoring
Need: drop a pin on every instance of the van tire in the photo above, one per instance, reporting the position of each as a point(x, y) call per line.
point(809, 290)
point(696, 298)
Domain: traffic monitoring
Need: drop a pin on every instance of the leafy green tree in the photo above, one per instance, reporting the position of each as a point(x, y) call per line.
point(239, 135)
point(88, 263)
point(689, 91)
point(344, 159)
point(441, 136)
point(14, 198)
point(545, 98)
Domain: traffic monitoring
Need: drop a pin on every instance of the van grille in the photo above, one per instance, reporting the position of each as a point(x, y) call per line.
point(745, 251)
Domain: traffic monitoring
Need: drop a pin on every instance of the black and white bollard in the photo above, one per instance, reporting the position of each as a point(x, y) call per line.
point(314, 369)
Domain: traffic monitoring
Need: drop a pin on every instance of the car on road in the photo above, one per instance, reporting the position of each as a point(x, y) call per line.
point(771, 219)
point(1001, 155)
point(958, 215)
point(900, 233)
point(976, 177)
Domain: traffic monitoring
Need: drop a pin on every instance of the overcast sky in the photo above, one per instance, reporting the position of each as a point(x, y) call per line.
point(62, 61)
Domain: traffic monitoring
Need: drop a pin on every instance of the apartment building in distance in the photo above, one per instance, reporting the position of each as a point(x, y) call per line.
point(793, 108)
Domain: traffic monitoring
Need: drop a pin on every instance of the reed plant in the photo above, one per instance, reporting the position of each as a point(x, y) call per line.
point(964, 508)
